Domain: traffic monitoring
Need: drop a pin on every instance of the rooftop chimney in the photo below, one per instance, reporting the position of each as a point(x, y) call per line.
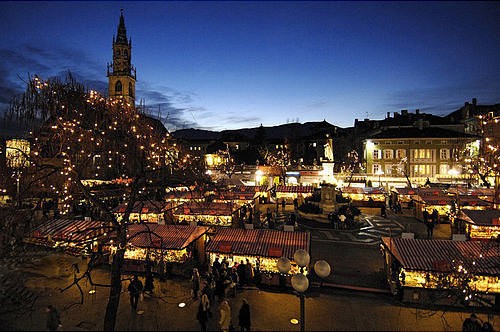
point(404, 112)
point(396, 114)
point(388, 115)
point(417, 111)
point(474, 101)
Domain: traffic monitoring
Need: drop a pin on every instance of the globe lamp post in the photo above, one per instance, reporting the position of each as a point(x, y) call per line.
point(300, 282)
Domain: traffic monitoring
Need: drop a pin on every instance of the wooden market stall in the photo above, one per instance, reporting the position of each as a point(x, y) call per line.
point(289, 193)
point(174, 244)
point(75, 236)
point(148, 211)
point(366, 196)
point(262, 247)
point(424, 271)
point(478, 224)
point(206, 213)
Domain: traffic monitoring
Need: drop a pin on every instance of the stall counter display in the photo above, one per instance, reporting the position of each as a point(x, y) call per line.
point(264, 264)
point(169, 256)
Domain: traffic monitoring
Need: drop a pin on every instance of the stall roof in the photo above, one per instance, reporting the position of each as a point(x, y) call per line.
point(481, 217)
point(205, 208)
point(427, 255)
point(71, 230)
point(364, 190)
point(295, 189)
point(145, 207)
point(472, 191)
point(174, 237)
point(258, 242)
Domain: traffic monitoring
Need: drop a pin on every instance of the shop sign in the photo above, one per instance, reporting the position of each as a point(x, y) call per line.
point(224, 246)
point(275, 252)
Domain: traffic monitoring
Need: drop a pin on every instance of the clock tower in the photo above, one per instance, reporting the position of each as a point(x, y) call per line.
point(121, 74)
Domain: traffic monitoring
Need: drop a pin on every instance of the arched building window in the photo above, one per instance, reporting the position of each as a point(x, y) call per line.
point(118, 86)
point(130, 89)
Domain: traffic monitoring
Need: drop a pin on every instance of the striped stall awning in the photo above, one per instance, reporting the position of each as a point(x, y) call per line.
point(205, 208)
point(258, 242)
point(174, 237)
point(70, 230)
point(426, 255)
point(295, 189)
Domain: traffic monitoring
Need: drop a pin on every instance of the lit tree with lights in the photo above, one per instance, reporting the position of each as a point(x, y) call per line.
point(83, 134)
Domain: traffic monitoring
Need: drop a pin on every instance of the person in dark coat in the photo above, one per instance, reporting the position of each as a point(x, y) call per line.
point(148, 284)
point(53, 318)
point(202, 314)
point(244, 316)
point(216, 266)
point(241, 272)
point(135, 288)
point(472, 323)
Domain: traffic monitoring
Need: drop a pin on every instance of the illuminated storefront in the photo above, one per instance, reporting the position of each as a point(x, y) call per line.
point(480, 225)
point(206, 213)
point(147, 211)
point(262, 247)
point(418, 270)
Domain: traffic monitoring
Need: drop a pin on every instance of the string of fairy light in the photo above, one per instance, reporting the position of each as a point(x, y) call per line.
point(107, 131)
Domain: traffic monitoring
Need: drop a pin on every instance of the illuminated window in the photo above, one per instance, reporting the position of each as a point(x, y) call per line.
point(314, 144)
point(388, 154)
point(377, 154)
point(400, 153)
point(376, 168)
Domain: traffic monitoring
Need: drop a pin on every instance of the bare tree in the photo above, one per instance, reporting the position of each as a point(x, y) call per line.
point(83, 134)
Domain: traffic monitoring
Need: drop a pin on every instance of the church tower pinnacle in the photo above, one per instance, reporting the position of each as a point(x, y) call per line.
point(121, 73)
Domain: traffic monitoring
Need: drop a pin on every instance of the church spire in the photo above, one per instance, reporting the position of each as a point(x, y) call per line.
point(121, 73)
point(121, 37)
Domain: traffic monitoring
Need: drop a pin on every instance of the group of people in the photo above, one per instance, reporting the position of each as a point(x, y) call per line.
point(473, 323)
point(395, 206)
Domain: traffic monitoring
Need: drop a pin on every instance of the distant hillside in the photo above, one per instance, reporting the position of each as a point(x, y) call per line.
point(306, 130)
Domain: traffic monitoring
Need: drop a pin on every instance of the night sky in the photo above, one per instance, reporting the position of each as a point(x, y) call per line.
point(228, 65)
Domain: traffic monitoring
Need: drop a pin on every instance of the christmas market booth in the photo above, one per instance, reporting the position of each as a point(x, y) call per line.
point(478, 224)
point(147, 211)
point(74, 236)
point(183, 194)
point(171, 244)
point(206, 213)
point(242, 194)
point(262, 247)
point(443, 272)
point(365, 197)
point(289, 193)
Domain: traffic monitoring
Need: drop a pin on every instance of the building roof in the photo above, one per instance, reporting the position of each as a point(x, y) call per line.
point(426, 255)
point(205, 208)
point(258, 242)
point(295, 189)
point(480, 217)
point(70, 230)
point(173, 237)
point(426, 132)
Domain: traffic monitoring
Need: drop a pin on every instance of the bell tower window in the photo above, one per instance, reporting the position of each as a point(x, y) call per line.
point(130, 89)
point(118, 86)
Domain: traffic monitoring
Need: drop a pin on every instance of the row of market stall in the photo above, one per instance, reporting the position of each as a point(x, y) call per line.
point(173, 243)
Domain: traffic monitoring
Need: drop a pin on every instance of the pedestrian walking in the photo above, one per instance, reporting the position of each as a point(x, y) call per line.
point(430, 228)
point(148, 283)
point(244, 316)
point(135, 288)
point(383, 211)
point(472, 323)
point(53, 318)
point(203, 313)
point(249, 273)
point(283, 204)
point(241, 273)
point(195, 283)
point(224, 316)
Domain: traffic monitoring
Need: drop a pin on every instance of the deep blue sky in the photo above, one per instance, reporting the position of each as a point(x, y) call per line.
point(227, 65)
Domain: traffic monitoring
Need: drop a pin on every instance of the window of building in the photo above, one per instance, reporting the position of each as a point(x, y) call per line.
point(118, 86)
point(444, 154)
point(444, 169)
point(400, 153)
point(125, 52)
point(422, 154)
point(376, 168)
point(130, 89)
point(388, 154)
point(314, 144)
point(377, 154)
point(237, 146)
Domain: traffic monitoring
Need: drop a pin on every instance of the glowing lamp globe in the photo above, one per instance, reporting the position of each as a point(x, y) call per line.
point(284, 265)
point(301, 257)
point(322, 268)
point(300, 282)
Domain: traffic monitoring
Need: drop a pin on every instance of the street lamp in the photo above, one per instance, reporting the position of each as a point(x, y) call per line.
point(300, 282)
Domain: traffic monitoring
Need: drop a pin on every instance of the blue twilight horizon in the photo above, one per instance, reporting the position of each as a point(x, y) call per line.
point(229, 65)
